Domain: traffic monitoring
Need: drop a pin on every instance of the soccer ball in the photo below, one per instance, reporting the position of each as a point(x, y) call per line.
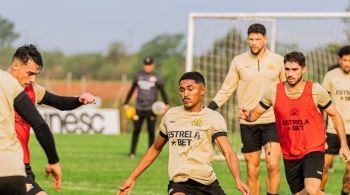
point(158, 108)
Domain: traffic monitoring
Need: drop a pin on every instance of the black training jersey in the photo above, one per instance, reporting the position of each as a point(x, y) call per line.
point(147, 85)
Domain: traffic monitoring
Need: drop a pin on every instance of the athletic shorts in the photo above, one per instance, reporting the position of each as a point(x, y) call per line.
point(310, 166)
point(31, 185)
point(12, 185)
point(145, 113)
point(333, 143)
point(255, 136)
point(191, 187)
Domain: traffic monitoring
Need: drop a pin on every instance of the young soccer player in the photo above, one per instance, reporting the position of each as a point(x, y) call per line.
point(190, 130)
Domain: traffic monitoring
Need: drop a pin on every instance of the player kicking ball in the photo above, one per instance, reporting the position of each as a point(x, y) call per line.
point(190, 130)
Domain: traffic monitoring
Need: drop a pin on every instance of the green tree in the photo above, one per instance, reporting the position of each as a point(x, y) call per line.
point(53, 64)
point(168, 51)
point(116, 52)
point(164, 46)
point(7, 33)
point(6, 57)
point(84, 65)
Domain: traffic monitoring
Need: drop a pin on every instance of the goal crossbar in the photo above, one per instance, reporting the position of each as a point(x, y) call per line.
point(262, 16)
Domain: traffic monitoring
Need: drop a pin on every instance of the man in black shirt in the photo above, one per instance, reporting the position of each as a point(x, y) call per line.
point(147, 83)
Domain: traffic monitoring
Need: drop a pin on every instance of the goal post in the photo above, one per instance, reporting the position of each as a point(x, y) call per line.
point(213, 39)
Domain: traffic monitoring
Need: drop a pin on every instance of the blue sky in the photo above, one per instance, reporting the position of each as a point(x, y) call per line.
point(75, 26)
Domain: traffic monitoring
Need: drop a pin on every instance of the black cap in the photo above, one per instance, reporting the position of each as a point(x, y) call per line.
point(148, 61)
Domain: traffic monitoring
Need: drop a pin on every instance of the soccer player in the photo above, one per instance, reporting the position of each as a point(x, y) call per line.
point(147, 83)
point(337, 83)
point(26, 64)
point(250, 73)
point(190, 130)
point(298, 107)
point(12, 173)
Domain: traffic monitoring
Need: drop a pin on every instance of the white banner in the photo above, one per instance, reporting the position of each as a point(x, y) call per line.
point(82, 121)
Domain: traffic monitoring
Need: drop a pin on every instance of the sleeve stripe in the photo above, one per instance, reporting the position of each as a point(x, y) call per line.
point(219, 134)
point(325, 106)
point(263, 105)
point(163, 135)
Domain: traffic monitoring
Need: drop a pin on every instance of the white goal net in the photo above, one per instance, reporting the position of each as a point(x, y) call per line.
point(214, 39)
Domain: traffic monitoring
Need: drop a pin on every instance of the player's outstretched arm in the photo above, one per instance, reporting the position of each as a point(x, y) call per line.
point(229, 85)
point(131, 91)
point(26, 109)
point(67, 102)
point(252, 115)
point(232, 163)
point(338, 123)
point(147, 159)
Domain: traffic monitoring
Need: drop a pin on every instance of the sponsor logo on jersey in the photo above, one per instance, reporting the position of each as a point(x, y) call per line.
point(271, 66)
point(153, 79)
point(145, 85)
point(294, 111)
point(197, 122)
point(295, 125)
point(183, 137)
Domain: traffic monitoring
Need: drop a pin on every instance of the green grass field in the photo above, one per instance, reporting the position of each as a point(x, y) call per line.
point(97, 164)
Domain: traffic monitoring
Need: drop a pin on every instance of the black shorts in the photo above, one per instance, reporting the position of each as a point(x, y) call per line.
point(255, 136)
point(333, 143)
point(14, 185)
point(145, 113)
point(310, 166)
point(191, 187)
point(31, 185)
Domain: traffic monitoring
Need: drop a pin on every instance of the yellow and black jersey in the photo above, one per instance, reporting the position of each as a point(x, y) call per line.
point(191, 137)
point(337, 83)
point(10, 149)
point(250, 75)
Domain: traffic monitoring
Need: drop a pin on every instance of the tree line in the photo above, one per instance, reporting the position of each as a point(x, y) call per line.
point(168, 50)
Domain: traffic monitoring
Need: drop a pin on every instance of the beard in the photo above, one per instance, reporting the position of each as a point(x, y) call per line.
point(295, 82)
point(258, 52)
point(346, 70)
point(188, 106)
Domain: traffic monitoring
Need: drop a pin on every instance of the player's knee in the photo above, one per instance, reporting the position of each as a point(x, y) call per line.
point(273, 166)
point(253, 172)
point(42, 193)
point(179, 193)
point(326, 169)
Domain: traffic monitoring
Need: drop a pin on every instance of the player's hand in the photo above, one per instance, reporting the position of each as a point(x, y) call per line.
point(55, 171)
point(242, 187)
point(344, 154)
point(243, 113)
point(125, 188)
point(126, 106)
point(166, 108)
point(87, 98)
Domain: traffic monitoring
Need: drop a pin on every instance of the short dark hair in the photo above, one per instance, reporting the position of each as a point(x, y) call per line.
point(196, 76)
point(295, 56)
point(344, 51)
point(257, 28)
point(28, 52)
